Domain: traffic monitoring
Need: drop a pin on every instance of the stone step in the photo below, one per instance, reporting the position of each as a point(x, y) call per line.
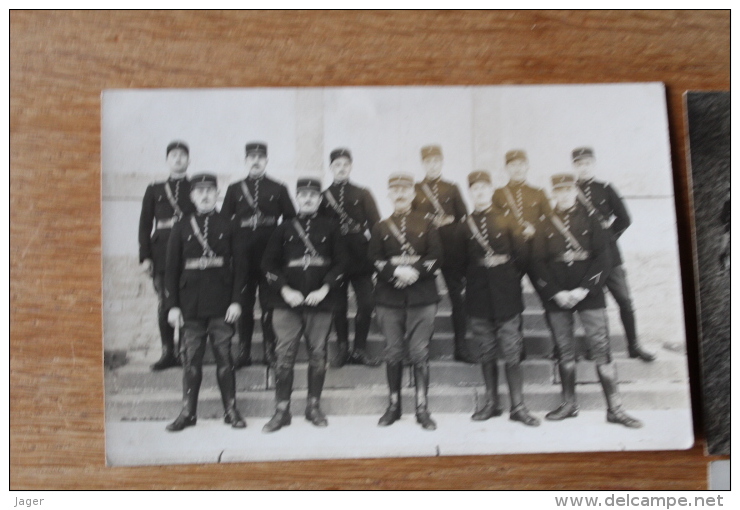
point(163, 405)
point(136, 378)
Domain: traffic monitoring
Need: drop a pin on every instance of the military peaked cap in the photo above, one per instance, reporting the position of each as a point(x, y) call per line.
point(340, 153)
point(431, 150)
point(400, 179)
point(203, 180)
point(515, 154)
point(308, 183)
point(177, 144)
point(562, 180)
point(478, 176)
point(260, 147)
point(582, 152)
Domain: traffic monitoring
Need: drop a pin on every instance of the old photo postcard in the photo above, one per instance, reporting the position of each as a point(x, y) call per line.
point(313, 273)
point(708, 115)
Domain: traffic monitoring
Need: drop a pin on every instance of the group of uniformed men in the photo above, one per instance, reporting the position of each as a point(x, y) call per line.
point(207, 267)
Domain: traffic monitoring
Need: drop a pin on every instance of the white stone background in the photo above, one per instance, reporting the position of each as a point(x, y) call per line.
point(385, 127)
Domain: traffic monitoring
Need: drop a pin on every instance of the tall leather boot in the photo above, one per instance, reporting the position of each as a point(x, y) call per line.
point(191, 379)
point(394, 373)
point(518, 411)
point(568, 408)
point(492, 407)
point(246, 329)
point(314, 414)
point(283, 390)
point(421, 375)
point(634, 348)
point(227, 385)
point(359, 354)
point(615, 413)
point(268, 339)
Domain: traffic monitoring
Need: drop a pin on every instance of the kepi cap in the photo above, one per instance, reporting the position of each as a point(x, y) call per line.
point(177, 144)
point(563, 180)
point(203, 180)
point(582, 152)
point(340, 153)
point(478, 176)
point(431, 150)
point(260, 147)
point(515, 154)
point(400, 179)
point(308, 183)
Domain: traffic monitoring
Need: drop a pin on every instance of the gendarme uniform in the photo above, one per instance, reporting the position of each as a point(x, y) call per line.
point(304, 253)
point(255, 205)
point(163, 205)
point(494, 258)
point(406, 315)
point(602, 201)
point(202, 280)
point(571, 251)
point(524, 203)
point(441, 200)
point(354, 209)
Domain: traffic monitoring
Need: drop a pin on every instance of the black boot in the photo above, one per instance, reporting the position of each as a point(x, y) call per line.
point(492, 406)
point(268, 339)
point(615, 414)
point(462, 353)
point(246, 328)
point(519, 411)
point(423, 417)
point(568, 408)
point(227, 385)
point(283, 391)
point(280, 419)
point(342, 356)
point(314, 414)
point(168, 358)
point(191, 379)
point(634, 348)
point(394, 373)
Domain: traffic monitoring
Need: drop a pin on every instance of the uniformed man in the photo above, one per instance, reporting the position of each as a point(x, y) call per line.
point(255, 204)
point(494, 256)
point(164, 204)
point(304, 263)
point(440, 201)
point(406, 251)
point(527, 205)
point(355, 211)
point(203, 285)
point(570, 263)
point(602, 200)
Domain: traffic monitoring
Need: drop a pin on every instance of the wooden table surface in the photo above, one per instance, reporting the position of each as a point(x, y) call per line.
point(61, 61)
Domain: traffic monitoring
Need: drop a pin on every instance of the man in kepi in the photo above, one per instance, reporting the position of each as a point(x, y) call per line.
point(354, 209)
point(602, 201)
point(304, 263)
point(570, 263)
point(441, 202)
point(406, 251)
point(203, 283)
point(164, 204)
point(495, 257)
point(255, 205)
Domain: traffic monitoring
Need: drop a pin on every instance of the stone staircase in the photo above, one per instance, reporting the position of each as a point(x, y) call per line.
point(133, 392)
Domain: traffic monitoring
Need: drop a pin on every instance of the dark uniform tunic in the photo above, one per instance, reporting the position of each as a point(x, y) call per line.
point(356, 213)
point(602, 200)
point(522, 202)
point(155, 224)
point(559, 264)
point(449, 199)
point(494, 262)
point(289, 261)
point(410, 309)
point(254, 226)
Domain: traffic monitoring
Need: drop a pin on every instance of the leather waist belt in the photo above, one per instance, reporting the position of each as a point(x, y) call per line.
point(258, 221)
point(168, 223)
point(204, 262)
point(494, 260)
point(569, 256)
point(346, 228)
point(309, 261)
point(405, 260)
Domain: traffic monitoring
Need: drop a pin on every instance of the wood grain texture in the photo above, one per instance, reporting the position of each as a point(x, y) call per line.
point(61, 61)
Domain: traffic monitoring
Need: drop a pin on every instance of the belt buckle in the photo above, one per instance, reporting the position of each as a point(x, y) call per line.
point(344, 229)
point(202, 263)
point(568, 256)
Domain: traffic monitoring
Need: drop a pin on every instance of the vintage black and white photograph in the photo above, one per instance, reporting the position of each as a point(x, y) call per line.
point(708, 115)
point(315, 273)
